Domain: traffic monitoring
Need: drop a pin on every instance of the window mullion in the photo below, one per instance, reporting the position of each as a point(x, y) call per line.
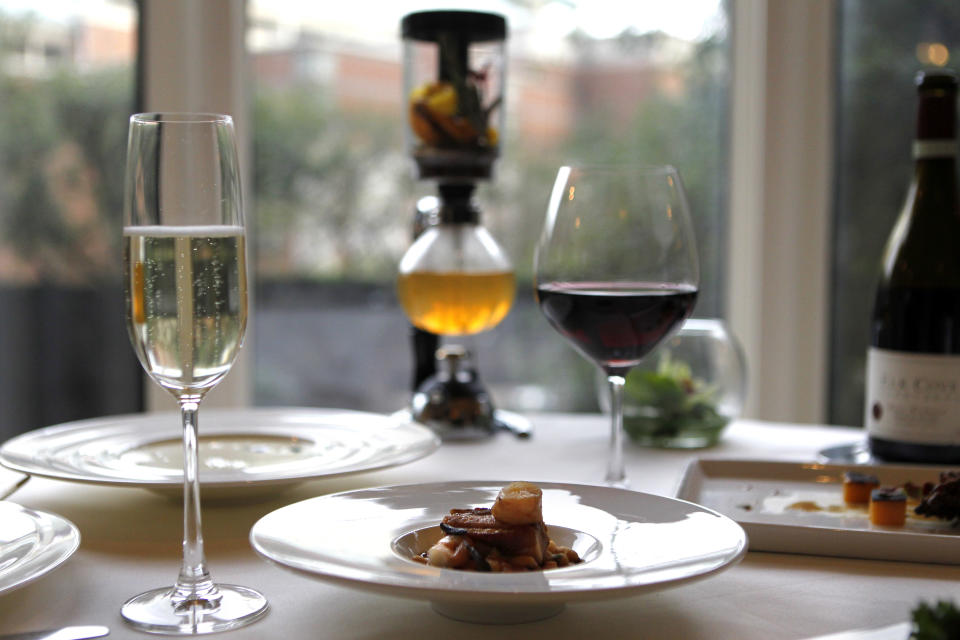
point(193, 60)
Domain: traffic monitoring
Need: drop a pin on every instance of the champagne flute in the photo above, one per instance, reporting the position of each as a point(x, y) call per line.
point(616, 271)
point(184, 259)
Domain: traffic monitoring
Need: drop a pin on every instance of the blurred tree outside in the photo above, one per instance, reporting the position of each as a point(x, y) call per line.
point(332, 210)
point(62, 144)
point(325, 184)
point(334, 196)
point(61, 214)
point(334, 202)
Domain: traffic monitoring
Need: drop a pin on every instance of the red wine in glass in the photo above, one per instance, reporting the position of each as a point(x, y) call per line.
point(615, 324)
point(616, 271)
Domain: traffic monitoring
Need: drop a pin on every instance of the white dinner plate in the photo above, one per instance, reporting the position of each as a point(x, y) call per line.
point(32, 543)
point(798, 508)
point(630, 542)
point(241, 450)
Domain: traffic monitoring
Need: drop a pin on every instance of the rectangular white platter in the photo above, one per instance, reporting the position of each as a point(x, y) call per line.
point(798, 508)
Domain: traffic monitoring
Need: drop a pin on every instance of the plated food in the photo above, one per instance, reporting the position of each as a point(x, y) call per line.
point(510, 536)
point(799, 507)
point(888, 506)
point(943, 499)
point(630, 543)
point(857, 487)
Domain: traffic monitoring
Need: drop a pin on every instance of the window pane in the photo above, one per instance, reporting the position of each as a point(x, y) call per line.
point(882, 44)
point(334, 198)
point(66, 90)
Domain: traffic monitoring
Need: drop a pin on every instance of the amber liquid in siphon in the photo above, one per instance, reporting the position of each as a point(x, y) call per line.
point(456, 303)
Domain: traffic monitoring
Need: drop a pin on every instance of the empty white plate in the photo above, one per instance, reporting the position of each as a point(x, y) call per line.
point(241, 451)
point(32, 543)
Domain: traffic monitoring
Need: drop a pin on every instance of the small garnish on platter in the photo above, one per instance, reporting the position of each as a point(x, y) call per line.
point(857, 487)
point(888, 507)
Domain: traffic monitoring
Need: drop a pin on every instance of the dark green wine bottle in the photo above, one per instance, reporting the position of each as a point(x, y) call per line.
point(913, 363)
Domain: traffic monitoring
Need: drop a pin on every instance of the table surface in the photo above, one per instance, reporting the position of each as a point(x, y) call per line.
point(131, 542)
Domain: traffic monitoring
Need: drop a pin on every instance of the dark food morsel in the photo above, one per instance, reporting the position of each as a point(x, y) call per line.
point(943, 500)
point(512, 539)
point(857, 487)
point(888, 506)
point(918, 491)
point(510, 536)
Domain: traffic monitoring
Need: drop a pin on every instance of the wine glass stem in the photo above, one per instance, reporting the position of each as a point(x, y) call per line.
point(194, 585)
point(616, 475)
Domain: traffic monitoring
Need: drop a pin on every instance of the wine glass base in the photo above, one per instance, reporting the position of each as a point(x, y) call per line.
point(622, 483)
point(852, 453)
point(156, 612)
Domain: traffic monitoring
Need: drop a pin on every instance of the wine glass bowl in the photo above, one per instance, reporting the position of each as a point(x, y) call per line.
point(616, 270)
point(185, 285)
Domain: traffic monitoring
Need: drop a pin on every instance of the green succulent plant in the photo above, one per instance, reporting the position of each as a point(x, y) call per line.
point(670, 401)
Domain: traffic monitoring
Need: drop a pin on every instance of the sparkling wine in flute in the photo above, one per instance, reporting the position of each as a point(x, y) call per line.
point(185, 283)
point(186, 301)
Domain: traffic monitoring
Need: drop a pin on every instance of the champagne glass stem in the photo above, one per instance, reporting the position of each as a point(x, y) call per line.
point(194, 585)
point(616, 475)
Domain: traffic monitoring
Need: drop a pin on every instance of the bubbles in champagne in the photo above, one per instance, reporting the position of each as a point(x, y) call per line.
point(186, 296)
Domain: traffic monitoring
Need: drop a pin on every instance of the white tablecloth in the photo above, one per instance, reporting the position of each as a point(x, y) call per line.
point(131, 539)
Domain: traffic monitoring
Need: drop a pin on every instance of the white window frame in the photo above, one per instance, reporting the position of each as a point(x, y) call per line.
point(781, 156)
point(781, 134)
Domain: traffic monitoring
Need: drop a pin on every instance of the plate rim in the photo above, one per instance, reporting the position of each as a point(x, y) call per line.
point(53, 555)
point(446, 594)
point(11, 457)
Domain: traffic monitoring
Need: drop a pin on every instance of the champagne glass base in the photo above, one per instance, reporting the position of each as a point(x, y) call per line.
point(156, 612)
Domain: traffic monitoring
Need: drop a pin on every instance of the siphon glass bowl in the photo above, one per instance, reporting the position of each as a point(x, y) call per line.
point(686, 392)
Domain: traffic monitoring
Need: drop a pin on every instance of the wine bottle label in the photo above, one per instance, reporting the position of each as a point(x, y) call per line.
point(945, 148)
point(913, 397)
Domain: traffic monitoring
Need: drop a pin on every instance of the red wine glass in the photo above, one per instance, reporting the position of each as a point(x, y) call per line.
point(616, 270)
